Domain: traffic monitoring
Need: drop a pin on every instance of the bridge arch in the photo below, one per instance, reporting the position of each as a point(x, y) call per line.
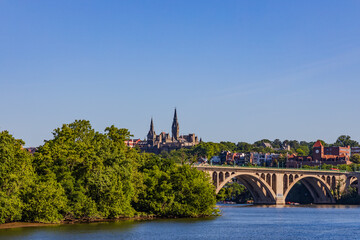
point(317, 186)
point(261, 191)
point(272, 186)
point(352, 181)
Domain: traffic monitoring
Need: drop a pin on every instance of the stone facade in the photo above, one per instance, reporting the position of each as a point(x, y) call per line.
point(164, 142)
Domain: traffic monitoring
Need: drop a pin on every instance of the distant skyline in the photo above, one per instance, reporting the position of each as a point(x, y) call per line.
point(235, 70)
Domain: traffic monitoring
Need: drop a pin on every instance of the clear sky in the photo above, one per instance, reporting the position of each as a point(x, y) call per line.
point(235, 70)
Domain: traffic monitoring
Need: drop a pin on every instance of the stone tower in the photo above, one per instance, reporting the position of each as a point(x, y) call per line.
point(318, 151)
point(175, 127)
point(151, 135)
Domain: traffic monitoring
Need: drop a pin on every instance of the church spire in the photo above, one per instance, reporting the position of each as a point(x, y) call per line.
point(151, 133)
point(152, 125)
point(175, 127)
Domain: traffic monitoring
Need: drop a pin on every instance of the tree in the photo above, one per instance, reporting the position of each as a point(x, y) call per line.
point(83, 174)
point(260, 143)
point(277, 143)
point(355, 158)
point(244, 147)
point(172, 190)
point(94, 169)
point(16, 174)
point(345, 140)
point(45, 201)
point(234, 191)
point(268, 150)
point(118, 134)
point(294, 144)
point(303, 150)
point(229, 146)
point(300, 152)
point(208, 149)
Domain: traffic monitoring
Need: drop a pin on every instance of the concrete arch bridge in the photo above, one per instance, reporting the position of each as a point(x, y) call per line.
point(271, 186)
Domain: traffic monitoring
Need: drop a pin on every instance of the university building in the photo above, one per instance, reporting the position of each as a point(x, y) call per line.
point(164, 141)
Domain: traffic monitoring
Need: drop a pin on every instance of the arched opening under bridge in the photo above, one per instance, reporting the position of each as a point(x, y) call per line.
point(309, 189)
point(260, 189)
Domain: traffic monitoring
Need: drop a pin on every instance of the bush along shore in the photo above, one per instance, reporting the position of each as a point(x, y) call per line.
point(83, 175)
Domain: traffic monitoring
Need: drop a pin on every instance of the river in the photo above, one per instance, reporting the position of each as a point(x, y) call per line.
point(237, 222)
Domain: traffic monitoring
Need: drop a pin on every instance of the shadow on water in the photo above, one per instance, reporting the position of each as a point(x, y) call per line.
point(113, 228)
point(335, 206)
point(78, 228)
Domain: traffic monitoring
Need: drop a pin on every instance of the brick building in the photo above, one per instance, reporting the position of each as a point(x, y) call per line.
point(321, 155)
point(132, 142)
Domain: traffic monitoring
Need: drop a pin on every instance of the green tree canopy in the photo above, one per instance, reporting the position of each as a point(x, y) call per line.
point(355, 158)
point(172, 190)
point(94, 169)
point(83, 174)
point(303, 150)
point(16, 175)
point(345, 140)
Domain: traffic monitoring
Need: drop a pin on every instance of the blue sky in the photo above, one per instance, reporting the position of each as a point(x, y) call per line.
point(235, 70)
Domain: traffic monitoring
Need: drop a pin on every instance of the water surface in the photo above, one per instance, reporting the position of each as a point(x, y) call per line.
point(237, 221)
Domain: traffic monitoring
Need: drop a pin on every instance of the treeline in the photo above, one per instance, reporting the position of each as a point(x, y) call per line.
point(83, 174)
point(234, 192)
point(300, 148)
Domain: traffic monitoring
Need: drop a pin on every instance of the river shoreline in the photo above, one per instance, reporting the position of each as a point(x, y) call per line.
point(25, 224)
point(79, 221)
point(143, 218)
point(72, 221)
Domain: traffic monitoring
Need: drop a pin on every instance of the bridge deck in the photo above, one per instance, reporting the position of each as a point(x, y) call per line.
point(272, 185)
point(279, 170)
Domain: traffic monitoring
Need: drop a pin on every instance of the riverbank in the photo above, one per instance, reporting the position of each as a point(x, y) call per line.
point(25, 224)
point(85, 220)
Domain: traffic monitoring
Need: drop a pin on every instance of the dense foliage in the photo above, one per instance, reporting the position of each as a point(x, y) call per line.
point(171, 190)
point(84, 174)
point(210, 149)
point(234, 192)
point(16, 176)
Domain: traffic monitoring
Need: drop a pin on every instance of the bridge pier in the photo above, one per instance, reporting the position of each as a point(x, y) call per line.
point(280, 199)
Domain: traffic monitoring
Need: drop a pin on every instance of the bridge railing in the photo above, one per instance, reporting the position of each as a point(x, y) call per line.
point(262, 167)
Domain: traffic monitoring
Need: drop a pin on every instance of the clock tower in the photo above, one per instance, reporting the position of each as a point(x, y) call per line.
point(318, 151)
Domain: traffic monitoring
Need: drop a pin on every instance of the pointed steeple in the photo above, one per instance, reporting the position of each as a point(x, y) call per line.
point(152, 125)
point(151, 133)
point(175, 116)
point(175, 127)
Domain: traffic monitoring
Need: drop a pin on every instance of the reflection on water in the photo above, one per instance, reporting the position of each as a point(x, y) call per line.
point(237, 221)
point(290, 206)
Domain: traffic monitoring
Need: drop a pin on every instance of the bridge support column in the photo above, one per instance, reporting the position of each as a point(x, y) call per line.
point(279, 198)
